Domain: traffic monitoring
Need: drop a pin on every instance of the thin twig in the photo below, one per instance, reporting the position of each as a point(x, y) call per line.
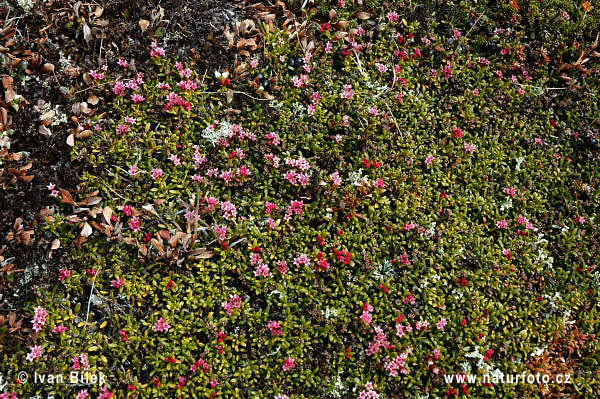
point(475, 23)
point(90, 298)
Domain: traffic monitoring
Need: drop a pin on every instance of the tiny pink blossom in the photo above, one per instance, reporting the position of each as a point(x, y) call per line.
point(35, 353)
point(161, 325)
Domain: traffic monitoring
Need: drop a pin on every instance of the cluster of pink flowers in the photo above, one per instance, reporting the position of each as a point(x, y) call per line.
point(99, 75)
point(523, 220)
point(221, 232)
point(39, 318)
point(81, 361)
point(366, 314)
point(105, 394)
point(63, 274)
point(282, 266)
point(53, 190)
point(200, 364)
point(502, 224)
point(470, 148)
point(228, 209)
point(288, 364)
point(441, 324)
point(302, 259)
point(398, 364)
point(401, 329)
point(300, 81)
point(174, 100)
point(59, 329)
point(368, 392)
point(35, 353)
point(118, 283)
point(156, 51)
point(134, 223)
point(274, 327)
point(261, 268)
point(295, 207)
point(379, 341)
point(8, 395)
point(235, 302)
point(348, 92)
point(161, 325)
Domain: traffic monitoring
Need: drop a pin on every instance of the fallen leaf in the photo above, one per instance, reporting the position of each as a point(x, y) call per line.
point(65, 197)
point(43, 130)
point(144, 23)
point(86, 231)
point(48, 68)
point(87, 33)
point(107, 213)
point(93, 99)
point(362, 15)
point(55, 244)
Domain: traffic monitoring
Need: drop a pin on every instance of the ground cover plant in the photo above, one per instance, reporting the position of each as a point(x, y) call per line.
point(385, 194)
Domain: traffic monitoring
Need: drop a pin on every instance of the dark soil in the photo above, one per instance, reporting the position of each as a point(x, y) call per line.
point(54, 32)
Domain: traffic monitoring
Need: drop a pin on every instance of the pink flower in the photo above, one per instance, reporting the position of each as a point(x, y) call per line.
point(228, 209)
point(348, 92)
point(366, 317)
point(83, 394)
point(63, 274)
point(161, 325)
point(368, 392)
point(175, 159)
point(436, 353)
point(156, 50)
point(502, 224)
point(133, 170)
point(119, 88)
point(429, 159)
point(456, 34)
point(137, 98)
point(381, 68)
point(35, 353)
point(510, 191)
point(270, 207)
point(328, 47)
point(105, 394)
point(392, 17)
point(134, 223)
point(274, 327)
point(288, 364)
point(123, 63)
point(122, 129)
point(441, 324)
point(118, 283)
point(39, 318)
point(302, 259)
point(409, 226)
point(59, 329)
point(235, 302)
point(336, 179)
point(221, 232)
point(157, 173)
point(470, 148)
point(271, 223)
point(262, 270)
point(282, 266)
